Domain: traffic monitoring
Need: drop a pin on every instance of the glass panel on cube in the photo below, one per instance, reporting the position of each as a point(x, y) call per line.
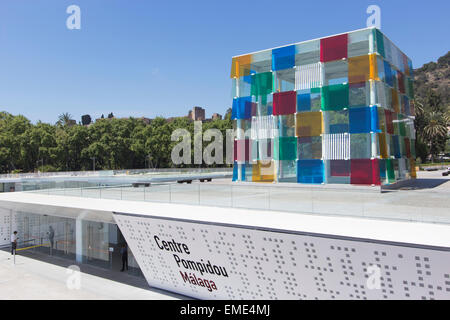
point(309, 76)
point(360, 146)
point(309, 148)
point(309, 124)
point(336, 72)
point(334, 48)
point(362, 68)
point(284, 80)
point(364, 171)
point(336, 121)
point(285, 125)
point(261, 62)
point(379, 39)
point(359, 94)
point(263, 171)
point(307, 52)
point(358, 42)
point(261, 84)
point(287, 171)
point(308, 100)
point(338, 171)
point(284, 102)
point(240, 66)
point(285, 148)
point(283, 58)
point(382, 145)
point(310, 171)
point(335, 97)
point(242, 108)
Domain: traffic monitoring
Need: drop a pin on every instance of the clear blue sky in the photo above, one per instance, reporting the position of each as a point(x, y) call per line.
point(149, 58)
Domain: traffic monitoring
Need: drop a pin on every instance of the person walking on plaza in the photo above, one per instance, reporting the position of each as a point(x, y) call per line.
point(124, 253)
point(13, 242)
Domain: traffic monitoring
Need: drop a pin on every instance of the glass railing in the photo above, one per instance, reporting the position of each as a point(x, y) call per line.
point(410, 205)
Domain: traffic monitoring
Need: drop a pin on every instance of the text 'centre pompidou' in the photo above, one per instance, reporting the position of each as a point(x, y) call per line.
point(332, 110)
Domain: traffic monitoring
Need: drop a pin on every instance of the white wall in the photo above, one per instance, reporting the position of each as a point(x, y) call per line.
point(5, 226)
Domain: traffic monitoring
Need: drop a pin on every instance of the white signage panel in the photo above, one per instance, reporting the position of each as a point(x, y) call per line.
point(210, 261)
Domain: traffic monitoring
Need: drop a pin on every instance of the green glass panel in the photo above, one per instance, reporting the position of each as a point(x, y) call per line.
point(401, 124)
point(261, 84)
point(285, 148)
point(335, 97)
point(390, 171)
point(380, 41)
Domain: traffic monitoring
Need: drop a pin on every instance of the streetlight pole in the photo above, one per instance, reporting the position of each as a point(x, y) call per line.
point(37, 163)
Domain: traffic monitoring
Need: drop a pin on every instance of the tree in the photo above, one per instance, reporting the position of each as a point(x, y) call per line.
point(86, 119)
point(434, 131)
point(64, 119)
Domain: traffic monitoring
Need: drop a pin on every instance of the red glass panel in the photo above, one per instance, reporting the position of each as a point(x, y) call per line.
point(364, 171)
point(389, 124)
point(333, 48)
point(407, 148)
point(284, 102)
point(401, 82)
point(242, 150)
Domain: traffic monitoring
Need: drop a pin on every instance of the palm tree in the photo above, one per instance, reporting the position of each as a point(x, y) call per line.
point(64, 119)
point(447, 116)
point(435, 129)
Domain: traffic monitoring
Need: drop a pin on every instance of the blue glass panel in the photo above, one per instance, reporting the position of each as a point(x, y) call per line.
point(382, 164)
point(310, 171)
point(303, 101)
point(242, 108)
point(411, 70)
point(374, 120)
point(360, 120)
point(388, 74)
point(396, 143)
point(407, 106)
point(283, 58)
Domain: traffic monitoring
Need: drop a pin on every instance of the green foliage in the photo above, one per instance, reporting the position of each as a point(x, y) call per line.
point(115, 143)
point(432, 108)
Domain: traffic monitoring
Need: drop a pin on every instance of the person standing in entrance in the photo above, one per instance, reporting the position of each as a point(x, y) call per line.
point(51, 236)
point(14, 242)
point(124, 253)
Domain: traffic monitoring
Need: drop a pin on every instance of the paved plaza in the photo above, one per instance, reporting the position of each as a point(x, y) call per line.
point(38, 277)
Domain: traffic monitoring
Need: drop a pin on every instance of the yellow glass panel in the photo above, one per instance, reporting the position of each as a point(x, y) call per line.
point(412, 164)
point(383, 146)
point(240, 66)
point(395, 103)
point(362, 68)
point(309, 124)
point(263, 171)
point(373, 67)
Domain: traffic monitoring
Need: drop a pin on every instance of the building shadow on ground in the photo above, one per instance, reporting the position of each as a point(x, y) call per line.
point(113, 275)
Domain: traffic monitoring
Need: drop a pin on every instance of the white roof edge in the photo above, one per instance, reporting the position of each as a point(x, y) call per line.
point(338, 34)
point(418, 233)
